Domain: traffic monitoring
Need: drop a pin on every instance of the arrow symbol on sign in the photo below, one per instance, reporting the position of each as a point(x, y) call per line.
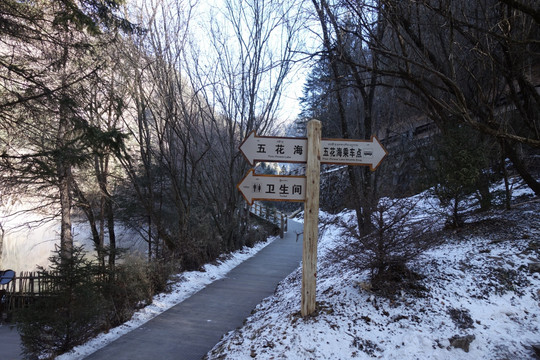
point(353, 152)
point(272, 187)
point(273, 149)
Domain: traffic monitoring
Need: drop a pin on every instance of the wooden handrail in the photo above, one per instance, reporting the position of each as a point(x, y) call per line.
point(271, 215)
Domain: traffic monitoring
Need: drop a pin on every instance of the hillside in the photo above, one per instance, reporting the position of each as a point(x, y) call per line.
point(478, 297)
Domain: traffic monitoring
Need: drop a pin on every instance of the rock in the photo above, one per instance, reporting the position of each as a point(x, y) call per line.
point(462, 342)
point(534, 267)
point(462, 318)
point(536, 348)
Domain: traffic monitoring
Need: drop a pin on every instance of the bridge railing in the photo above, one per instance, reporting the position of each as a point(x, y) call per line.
point(271, 215)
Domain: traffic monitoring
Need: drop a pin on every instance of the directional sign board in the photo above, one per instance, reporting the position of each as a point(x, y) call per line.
point(294, 188)
point(273, 149)
point(352, 152)
point(272, 187)
point(294, 150)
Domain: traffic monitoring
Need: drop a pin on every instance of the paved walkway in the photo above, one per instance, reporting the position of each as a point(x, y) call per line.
point(10, 343)
point(190, 329)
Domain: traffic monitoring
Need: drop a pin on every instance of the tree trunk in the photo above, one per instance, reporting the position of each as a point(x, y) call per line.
point(455, 213)
point(507, 195)
point(101, 168)
point(64, 179)
point(149, 238)
point(64, 188)
point(112, 233)
point(483, 190)
point(86, 207)
point(521, 168)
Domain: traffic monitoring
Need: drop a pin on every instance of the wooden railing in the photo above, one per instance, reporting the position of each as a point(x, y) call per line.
point(271, 215)
point(24, 287)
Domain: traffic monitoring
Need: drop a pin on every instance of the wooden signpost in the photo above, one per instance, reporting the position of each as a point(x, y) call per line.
point(312, 151)
point(311, 218)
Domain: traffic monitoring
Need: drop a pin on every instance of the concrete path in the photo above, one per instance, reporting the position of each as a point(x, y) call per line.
point(190, 329)
point(10, 343)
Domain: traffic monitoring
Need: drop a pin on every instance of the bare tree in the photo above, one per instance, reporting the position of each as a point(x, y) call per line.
point(470, 63)
point(48, 50)
point(195, 100)
point(348, 56)
point(167, 127)
point(242, 85)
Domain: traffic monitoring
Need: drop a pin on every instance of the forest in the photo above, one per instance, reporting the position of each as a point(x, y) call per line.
point(132, 112)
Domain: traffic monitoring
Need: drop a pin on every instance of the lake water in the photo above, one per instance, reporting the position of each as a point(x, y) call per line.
point(28, 241)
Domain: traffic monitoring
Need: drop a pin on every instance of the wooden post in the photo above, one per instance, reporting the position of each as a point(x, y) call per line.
point(311, 217)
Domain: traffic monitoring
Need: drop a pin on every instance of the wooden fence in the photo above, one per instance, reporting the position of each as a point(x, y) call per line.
point(271, 215)
point(24, 287)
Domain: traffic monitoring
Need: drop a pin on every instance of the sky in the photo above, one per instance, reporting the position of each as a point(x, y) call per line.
point(210, 16)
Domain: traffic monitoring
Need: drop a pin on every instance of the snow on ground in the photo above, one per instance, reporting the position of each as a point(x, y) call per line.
point(479, 290)
point(183, 286)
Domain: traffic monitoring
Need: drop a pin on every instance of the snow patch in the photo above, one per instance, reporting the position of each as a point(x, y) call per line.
point(478, 288)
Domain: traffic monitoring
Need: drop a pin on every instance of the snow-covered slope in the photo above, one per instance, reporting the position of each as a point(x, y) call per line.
point(479, 291)
point(481, 301)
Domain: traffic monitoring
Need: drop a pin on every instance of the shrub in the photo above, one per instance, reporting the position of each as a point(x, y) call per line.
point(69, 313)
point(133, 286)
point(129, 289)
point(458, 171)
point(395, 241)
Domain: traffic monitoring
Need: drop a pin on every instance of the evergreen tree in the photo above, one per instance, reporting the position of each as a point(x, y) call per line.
point(461, 159)
point(69, 312)
point(49, 50)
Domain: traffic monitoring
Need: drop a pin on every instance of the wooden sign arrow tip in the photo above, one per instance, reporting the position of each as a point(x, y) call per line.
point(379, 153)
point(246, 147)
point(244, 185)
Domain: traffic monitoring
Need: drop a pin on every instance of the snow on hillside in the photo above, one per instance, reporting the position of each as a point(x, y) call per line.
point(479, 290)
point(481, 300)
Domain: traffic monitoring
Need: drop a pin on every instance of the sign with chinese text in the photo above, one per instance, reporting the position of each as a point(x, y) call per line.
point(352, 152)
point(272, 187)
point(293, 150)
point(303, 188)
point(273, 149)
